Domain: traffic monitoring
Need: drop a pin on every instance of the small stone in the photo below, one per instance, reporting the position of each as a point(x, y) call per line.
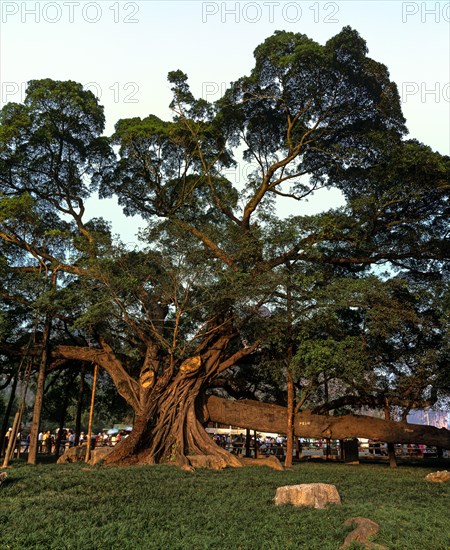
point(315, 495)
point(365, 529)
point(3, 476)
point(272, 462)
point(438, 477)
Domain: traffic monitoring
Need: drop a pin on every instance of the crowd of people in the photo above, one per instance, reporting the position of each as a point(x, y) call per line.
point(276, 445)
point(52, 442)
point(49, 442)
point(265, 445)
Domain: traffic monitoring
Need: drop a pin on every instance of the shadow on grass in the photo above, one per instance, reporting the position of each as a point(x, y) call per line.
point(436, 463)
point(41, 459)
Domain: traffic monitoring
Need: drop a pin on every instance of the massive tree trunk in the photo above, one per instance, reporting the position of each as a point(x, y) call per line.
point(168, 426)
point(173, 428)
point(170, 430)
point(272, 418)
point(171, 411)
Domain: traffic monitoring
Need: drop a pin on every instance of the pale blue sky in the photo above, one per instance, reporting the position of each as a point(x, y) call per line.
point(127, 62)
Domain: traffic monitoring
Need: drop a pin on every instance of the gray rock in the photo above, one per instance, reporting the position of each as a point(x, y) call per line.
point(207, 461)
point(271, 462)
point(99, 454)
point(73, 454)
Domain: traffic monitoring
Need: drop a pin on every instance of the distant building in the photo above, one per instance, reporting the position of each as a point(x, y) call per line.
point(440, 419)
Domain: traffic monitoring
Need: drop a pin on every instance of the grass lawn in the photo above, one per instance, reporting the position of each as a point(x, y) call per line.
point(161, 507)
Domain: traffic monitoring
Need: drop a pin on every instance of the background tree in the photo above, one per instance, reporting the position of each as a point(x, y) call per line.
point(50, 146)
point(377, 344)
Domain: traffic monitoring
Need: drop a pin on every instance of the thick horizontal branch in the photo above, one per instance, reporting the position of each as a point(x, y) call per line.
point(266, 417)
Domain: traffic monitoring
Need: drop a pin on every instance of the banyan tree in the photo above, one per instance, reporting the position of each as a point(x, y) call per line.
point(228, 256)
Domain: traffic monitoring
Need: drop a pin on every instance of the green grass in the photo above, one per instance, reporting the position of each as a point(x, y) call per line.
point(161, 507)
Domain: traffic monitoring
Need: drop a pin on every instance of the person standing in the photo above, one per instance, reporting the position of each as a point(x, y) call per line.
point(47, 441)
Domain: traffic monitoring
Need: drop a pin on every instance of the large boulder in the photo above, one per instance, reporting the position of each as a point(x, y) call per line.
point(207, 461)
point(78, 454)
point(99, 453)
point(270, 461)
point(73, 454)
point(315, 495)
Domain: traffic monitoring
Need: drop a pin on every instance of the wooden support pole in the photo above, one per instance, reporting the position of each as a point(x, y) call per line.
point(298, 448)
point(5, 422)
point(17, 422)
point(391, 454)
point(290, 375)
point(341, 449)
point(390, 445)
point(12, 441)
point(79, 405)
point(328, 448)
point(290, 419)
point(248, 439)
point(91, 414)
point(39, 393)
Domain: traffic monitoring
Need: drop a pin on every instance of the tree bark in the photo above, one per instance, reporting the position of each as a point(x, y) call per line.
point(62, 417)
point(172, 430)
point(290, 418)
point(33, 448)
point(272, 418)
point(79, 406)
point(91, 414)
point(390, 445)
point(290, 376)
